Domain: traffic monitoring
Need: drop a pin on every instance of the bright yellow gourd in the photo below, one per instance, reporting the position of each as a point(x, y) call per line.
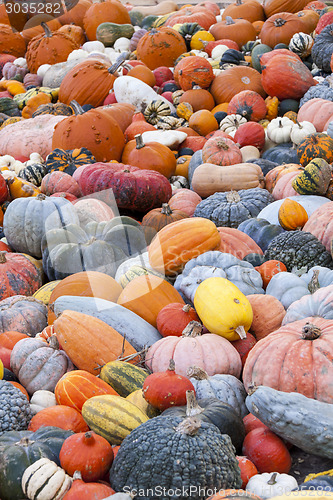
point(199, 38)
point(223, 308)
point(1, 370)
point(44, 292)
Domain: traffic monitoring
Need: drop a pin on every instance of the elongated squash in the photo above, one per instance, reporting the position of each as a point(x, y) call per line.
point(123, 377)
point(137, 398)
point(89, 342)
point(108, 33)
point(112, 417)
point(304, 422)
point(209, 178)
point(138, 332)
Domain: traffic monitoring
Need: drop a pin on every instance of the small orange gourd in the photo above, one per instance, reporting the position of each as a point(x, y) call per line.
point(292, 215)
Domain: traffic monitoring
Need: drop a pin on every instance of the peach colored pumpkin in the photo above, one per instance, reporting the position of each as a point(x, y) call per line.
point(185, 200)
point(320, 224)
point(276, 173)
point(268, 313)
point(90, 209)
point(283, 187)
point(211, 352)
point(237, 243)
point(317, 111)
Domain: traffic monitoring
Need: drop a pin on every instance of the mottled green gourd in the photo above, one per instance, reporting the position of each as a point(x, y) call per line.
point(314, 179)
point(170, 453)
point(108, 33)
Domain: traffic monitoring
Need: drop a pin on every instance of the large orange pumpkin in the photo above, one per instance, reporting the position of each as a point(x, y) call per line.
point(34, 27)
point(151, 156)
point(280, 28)
point(76, 387)
point(193, 70)
point(274, 6)
point(234, 80)
point(104, 11)
point(193, 14)
point(238, 30)
point(11, 42)
point(89, 342)
point(76, 14)
point(160, 47)
point(299, 356)
point(146, 295)
point(309, 18)
point(251, 10)
point(181, 241)
point(59, 416)
point(95, 130)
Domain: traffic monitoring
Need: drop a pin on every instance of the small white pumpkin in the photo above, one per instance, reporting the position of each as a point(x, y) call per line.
point(43, 69)
point(45, 479)
point(170, 138)
point(249, 153)
point(230, 123)
point(218, 52)
point(9, 162)
point(21, 62)
point(77, 54)
point(93, 46)
point(42, 399)
point(271, 484)
point(279, 129)
point(122, 44)
point(300, 130)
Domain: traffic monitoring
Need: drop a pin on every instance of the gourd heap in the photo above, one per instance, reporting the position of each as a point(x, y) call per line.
point(166, 272)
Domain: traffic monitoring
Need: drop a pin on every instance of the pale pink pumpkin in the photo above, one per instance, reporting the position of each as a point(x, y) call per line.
point(60, 182)
point(317, 111)
point(320, 224)
point(283, 187)
point(91, 209)
point(212, 353)
point(185, 200)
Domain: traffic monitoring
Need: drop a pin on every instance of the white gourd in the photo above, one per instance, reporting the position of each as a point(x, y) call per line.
point(279, 129)
point(301, 130)
point(77, 54)
point(43, 69)
point(93, 46)
point(122, 44)
point(45, 479)
point(218, 52)
point(139, 94)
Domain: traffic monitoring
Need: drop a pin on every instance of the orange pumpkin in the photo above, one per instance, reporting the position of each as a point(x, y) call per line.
point(160, 47)
point(240, 31)
point(234, 495)
point(104, 11)
point(280, 28)
point(137, 126)
point(268, 269)
point(247, 468)
point(76, 33)
point(307, 339)
point(59, 416)
point(182, 165)
point(268, 313)
point(158, 218)
point(185, 200)
point(193, 70)
point(198, 98)
point(257, 26)
point(203, 122)
point(237, 243)
point(233, 80)
point(309, 19)
point(292, 215)
point(89, 342)
point(251, 10)
point(146, 295)
point(76, 387)
point(151, 156)
point(181, 241)
point(274, 6)
point(221, 151)
point(248, 104)
point(50, 48)
point(76, 14)
point(33, 27)
point(193, 14)
point(11, 42)
point(141, 72)
point(19, 386)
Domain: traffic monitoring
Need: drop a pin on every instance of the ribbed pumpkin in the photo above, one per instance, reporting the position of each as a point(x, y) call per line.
point(160, 47)
point(314, 179)
point(185, 200)
point(280, 28)
point(240, 31)
point(86, 284)
point(221, 151)
point(173, 319)
point(181, 241)
point(76, 33)
point(59, 416)
point(152, 156)
point(233, 80)
point(146, 295)
point(317, 145)
point(112, 417)
point(76, 14)
point(193, 70)
point(90, 342)
point(88, 453)
point(248, 104)
point(310, 340)
point(158, 218)
point(11, 42)
point(18, 275)
point(76, 387)
point(49, 48)
point(57, 182)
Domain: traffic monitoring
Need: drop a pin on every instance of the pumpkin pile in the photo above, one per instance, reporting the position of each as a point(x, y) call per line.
point(166, 250)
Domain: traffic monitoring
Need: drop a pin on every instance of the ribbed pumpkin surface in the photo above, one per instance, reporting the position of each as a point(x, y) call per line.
point(89, 342)
point(112, 417)
point(76, 387)
point(123, 377)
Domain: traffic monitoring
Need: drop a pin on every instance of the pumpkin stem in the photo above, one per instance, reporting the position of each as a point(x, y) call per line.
point(166, 210)
point(204, 42)
point(172, 365)
point(310, 332)
point(119, 61)
point(76, 108)
point(272, 478)
point(25, 441)
point(40, 197)
point(77, 475)
point(3, 257)
point(240, 330)
point(89, 438)
point(197, 373)
point(192, 405)
point(233, 197)
point(238, 2)
point(189, 426)
point(53, 342)
point(220, 143)
point(186, 308)
point(193, 329)
point(229, 20)
point(279, 22)
point(313, 286)
point(299, 124)
point(139, 141)
point(252, 389)
point(48, 32)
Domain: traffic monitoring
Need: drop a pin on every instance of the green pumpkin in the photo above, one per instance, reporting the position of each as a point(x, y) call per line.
point(136, 17)
point(68, 160)
point(314, 179)
point(19, 449)
point(108, 33)
point(9, 107)
point(148, 21)
point(256, 52)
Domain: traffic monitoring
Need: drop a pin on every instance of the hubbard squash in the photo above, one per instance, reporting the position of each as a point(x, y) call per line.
point(209, 178)
point(90, 342)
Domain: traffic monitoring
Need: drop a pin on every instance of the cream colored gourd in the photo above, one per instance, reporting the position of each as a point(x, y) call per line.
point(209, 178)
point(162, 8)
point(134, 91)
point(223, 308)
point(45, 480)
point(230, 123)
point(279, 129)
point(249, 153)
point(300, 130)
point(42, 399)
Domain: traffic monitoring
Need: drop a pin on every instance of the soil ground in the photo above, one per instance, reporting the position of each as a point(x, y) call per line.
point(304, 464)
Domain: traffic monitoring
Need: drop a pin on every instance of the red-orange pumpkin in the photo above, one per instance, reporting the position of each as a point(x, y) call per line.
point(248, 104)
point(18, 275)
point(280, 28)
point(221, 151)
point(240, 31)
point(233, 80)
point(237, 243)
point(193, 14)
point(174, 317)
point(104, 11)
point(267, 451)
point(59, 416)
point(193, 70)
point(160, 47)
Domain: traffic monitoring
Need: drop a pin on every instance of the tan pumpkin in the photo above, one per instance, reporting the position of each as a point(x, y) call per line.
point(209, 178)
point(146, 295)
point(268, 313)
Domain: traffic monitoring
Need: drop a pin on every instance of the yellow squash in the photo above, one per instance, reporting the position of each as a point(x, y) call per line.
point(223, 308)
point(44, 292)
